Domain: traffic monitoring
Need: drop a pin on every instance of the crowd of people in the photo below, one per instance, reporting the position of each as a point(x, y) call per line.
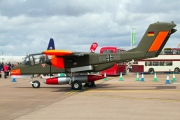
point(6, 67)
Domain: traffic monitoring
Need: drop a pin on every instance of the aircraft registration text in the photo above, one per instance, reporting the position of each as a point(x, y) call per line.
point(107, 58)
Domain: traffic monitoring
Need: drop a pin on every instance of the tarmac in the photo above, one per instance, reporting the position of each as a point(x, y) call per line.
point(111, 99)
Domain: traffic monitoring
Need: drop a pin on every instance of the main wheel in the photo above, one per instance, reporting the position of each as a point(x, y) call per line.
point(76, 85)
point(86, 84)
point(36, 84)
point(91, 84)
point(151, 71)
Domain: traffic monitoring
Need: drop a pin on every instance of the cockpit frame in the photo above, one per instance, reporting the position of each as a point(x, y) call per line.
point(34, 59)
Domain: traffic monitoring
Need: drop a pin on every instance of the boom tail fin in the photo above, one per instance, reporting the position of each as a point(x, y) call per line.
point(154, 40)
point(51, 45)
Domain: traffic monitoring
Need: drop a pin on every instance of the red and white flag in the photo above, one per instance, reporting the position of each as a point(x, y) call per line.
point(93, 47)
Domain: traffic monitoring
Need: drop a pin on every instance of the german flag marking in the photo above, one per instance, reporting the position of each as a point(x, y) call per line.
point(151, 33)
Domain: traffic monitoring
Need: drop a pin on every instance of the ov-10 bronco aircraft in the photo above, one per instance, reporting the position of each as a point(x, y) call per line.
point(64, 61)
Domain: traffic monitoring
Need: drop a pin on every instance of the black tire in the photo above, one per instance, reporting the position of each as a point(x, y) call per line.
point(76, 85)
point(91, 84)
point(36, 84)
point(176, 70)
point(86, 84)
point(151, 71)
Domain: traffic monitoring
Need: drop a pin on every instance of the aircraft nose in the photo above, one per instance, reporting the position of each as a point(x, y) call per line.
point(15, 72)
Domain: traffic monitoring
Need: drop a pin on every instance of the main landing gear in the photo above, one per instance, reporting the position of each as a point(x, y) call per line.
point(77, 85)
point(90, 84)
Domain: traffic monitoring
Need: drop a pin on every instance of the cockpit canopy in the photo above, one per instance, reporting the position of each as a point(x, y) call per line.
point(34, 59)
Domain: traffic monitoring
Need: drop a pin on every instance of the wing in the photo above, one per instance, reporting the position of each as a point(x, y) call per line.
point(61, 53)
point(57, 52)
point(62, 58)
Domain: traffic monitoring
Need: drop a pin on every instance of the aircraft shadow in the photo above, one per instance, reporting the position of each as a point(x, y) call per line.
point(103, 87)
point(131, 87)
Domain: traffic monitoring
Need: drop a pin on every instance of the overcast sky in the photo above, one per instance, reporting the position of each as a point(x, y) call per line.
point(27, 25)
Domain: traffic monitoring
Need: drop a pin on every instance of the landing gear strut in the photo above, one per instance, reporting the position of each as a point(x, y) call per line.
point(75, 84)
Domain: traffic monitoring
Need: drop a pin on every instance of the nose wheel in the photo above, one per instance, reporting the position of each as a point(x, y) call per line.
point(36, 84)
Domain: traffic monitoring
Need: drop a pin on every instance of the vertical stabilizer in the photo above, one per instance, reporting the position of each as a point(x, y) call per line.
point(51, 45)
point(154, 40)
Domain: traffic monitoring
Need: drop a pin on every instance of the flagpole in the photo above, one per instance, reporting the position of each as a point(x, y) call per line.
point(131, 39)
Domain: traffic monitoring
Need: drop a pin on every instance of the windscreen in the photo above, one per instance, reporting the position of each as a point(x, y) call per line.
point(26, 61)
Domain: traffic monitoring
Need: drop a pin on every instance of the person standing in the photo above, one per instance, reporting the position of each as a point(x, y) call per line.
point(6, 70)
point(9, 68)
point(1, 67)
point(130, 68)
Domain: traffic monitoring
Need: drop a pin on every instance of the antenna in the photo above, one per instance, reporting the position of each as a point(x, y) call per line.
point(94, 36)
